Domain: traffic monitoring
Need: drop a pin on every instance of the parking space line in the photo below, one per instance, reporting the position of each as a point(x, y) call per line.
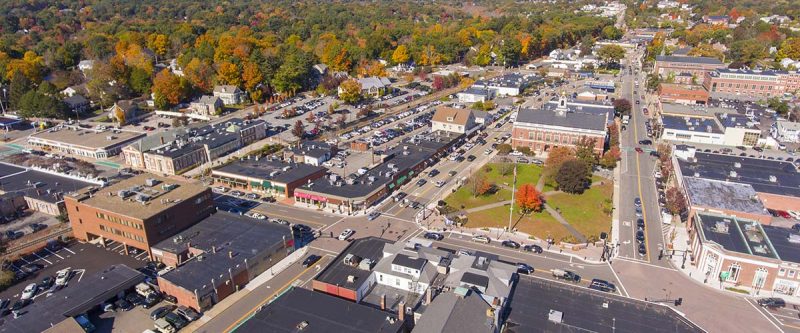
point(42, 258)
point(54, 253)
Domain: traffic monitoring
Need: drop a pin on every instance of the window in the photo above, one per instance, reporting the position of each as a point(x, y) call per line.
point(733, 272)
point(782, 272)
point(791, 274)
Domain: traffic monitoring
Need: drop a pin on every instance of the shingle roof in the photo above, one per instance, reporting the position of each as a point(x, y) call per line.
point(445, 114)
point(687, 59)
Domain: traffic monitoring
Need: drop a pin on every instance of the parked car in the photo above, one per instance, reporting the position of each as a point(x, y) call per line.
point(29, 291)
point(511, 244)
point(135, 299)
point(642, 249)
point(151, 300)
point(175, 320)
point(523, 268)
point(566, 275)
point(373, 216)
point(188, 313)
point(47, 282)
point(161, 311)
point(481, 239)
point(421, 182)
point(62, 276)
point(772, 302)
point(533, 248)
point(123, 305)
point(602, 285)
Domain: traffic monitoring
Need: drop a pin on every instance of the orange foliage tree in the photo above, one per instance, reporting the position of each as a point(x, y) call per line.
point(529, 199)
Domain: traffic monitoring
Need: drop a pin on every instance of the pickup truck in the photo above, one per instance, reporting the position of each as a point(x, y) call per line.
point(566, 275)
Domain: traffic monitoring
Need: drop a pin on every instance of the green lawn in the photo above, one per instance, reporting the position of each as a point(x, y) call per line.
point(463, 197)
point(526, 174)
point(552, 187)
point(540, 225)
point(586, 212)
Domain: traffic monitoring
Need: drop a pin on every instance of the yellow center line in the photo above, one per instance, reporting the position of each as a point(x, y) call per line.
point(639, 176)
point(253, 310)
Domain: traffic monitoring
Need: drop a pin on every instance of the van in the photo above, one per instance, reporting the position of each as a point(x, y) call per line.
point(144, 289)
point(163, 326)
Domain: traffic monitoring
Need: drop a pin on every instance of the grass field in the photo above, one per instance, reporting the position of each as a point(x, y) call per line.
point(526, 174)
point(463, 197)
point(586, 212)
point(541, 225)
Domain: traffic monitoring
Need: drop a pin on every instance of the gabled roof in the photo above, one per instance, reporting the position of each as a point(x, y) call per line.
point(226, 89)
point(445, 114)
point(691, 60)
point(209, 100)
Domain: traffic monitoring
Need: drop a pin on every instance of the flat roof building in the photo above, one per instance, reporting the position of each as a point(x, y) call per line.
point(682, 93)
point(43, 191)
point(138, 212)
point(729, 198)
point(84, 142)
point(308, 311)
point(271, 177)
point(349, 275)
point(692, 129)
point(696, 67)
point(218, 256)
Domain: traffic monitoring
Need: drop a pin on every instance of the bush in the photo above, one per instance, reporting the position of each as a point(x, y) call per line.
point(504, 149)
point(6, 279)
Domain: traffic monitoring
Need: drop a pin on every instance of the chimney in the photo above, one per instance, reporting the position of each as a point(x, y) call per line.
point(383, 302)
point(401, 311)
point(428, 296)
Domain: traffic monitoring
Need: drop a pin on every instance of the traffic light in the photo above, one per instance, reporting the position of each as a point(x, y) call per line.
point(678, 301)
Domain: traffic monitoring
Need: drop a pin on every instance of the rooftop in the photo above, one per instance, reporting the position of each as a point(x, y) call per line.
point(586, 310)
point(446, 114)
point(692, 60)
point(766, 176)
point(510, 80)
point(227, 240)
point(584, 116)
point(692, 124)
point(81, 295)
point(747, 71)
point(182, 141)
point(452, 312)
point(492, 277)
point(676, 86)
point(315, 149)
point(308, 311)
point(38, 185)
point(737, 235)
point(337, 273)
point(133, 197)
point(271, 170)
point(785, 241)
point(723, 195)
point(735, 120)
point(86, 137)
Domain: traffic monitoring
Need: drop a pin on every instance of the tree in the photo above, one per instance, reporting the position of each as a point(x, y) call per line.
point(169, 89)
point(622, 107)
point(653, 81)
point(573, 177)
point(611, 54)
point(781, 107)
point(200, 74)
point(331, 110)
point(790, 48)
point(298, 129)
point(251, 76)
point(748, 51)
point(159, 44)
point(587, 43)
point(510, 52)
point(609, 160)
point(504, 149)
point(706, 50)
point(400, 54)
point(555, 158)
point(478, 184)
point(429, 56)
point(438, 83)
point(505, 166)
point(350, 91)
point(676, 201)
point(584, 151)
point(7, 279)
point(20, 84)
point(611, 32)
point(529, 199)
point(613, 133)
point(139, 81)
point(228, 73)
point(41, 103)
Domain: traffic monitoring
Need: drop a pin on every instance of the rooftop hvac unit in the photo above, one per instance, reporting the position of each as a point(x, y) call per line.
point(151, 182)
point(143, 198)
point(733, 174)
point(773, 179)
point(168, 187)
point(555, 316)
point(737, 165)
point(366, 264)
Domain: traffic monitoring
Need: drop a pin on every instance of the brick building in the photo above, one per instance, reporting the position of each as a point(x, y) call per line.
point(562, 124)
point(218, 256)
point(682, 93)
point(267, 176)
point(696, 67)
point(749, 84)
point(137, 212)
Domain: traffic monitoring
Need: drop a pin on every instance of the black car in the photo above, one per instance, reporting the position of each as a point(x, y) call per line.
point(642, 249)
point(18, 305)
point(772, 302)
point(433, 173)
point(123, 305)
point(175, 320)
point(602, 285)
point(31, 268)
point(640, 236)
point(655, 154)
point(645, 142)
point(151, 300)
point(47, 282)
point(640, 223)
point(161, 311)
point(471, 158)
point(421, 182)
point(533, 248)
point(511, 244)
point(523, 268)
point(134, 299)
point(310, 260)
point(460, 159)
point(434, 236)
point(637, 202)
point(170, 299)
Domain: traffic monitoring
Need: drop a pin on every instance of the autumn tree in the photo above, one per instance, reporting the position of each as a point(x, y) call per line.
point(505, 166)
point(228, 73)
point(401, 55)
point(611, 54)
point(573, 177)
point(555, 158)
point(478, 184)
point(610, 158)
point(676, 201)
point(169, 89)
point(159, 43)
point(504, 149)
point(584, 151)
point(350, 91)
point(790, 48)
point(200, 74)
point(706, 50)
point(529, 199)
point(622, 107)
point(429, 56)
point(298, 130)
point(611, 32)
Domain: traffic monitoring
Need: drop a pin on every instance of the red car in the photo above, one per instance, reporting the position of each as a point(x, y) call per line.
point(639, 150)
point(644, 110)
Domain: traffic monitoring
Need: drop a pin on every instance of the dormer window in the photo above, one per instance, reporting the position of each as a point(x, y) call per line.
point(449, 118)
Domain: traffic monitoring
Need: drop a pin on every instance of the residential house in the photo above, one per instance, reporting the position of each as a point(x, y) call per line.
point(229, 94)
point(76, 103)
point(124, 111)
point(207, 106)
point(449, 119)
point(472, 95)
point(373, 86)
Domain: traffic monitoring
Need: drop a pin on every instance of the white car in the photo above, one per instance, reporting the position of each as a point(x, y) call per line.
point(29, 291)
point(258, 216)
point(795, 214)
point(346, 234)
point(515, 153)
point(62, 276)
point(439, 183)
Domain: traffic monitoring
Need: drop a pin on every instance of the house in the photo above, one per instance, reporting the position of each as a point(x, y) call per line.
point(85, 65)
point(76, 89)
point(311, 152)
point(682, 93)
point(472, 95)
point(175, 68)
point(229, 94)
point(453, 120)
point(76, 103)
point(124, 111)
point(321, 69)
point(716, 19)
point(785, 131)
point(790, 63)
point(207, 106)
point(373, 86)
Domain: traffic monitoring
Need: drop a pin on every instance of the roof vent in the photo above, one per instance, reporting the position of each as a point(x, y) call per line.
point(351, 279)
point(733, 174)
point(773, 179)
point(737, 165)
point(302, 325)
point(151, 182)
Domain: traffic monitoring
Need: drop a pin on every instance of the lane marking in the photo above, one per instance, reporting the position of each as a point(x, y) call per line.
point(54, 253)
point(764, 315)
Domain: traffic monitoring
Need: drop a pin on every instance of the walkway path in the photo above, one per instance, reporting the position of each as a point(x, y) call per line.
point(578, 236)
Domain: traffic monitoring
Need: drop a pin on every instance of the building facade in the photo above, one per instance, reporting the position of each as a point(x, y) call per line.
point(697, 67)
point(750, 84)
point(453, 120)
point(565, 125)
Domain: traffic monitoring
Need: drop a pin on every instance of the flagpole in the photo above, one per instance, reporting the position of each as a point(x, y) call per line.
point(513, 189)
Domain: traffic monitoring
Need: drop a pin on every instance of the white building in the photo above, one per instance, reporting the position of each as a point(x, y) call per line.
point(85, 65)
point(207, 106)
point(785, 131)
point(692, 129)
point(472, 95)
point(453, 120)
point(229, 94)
